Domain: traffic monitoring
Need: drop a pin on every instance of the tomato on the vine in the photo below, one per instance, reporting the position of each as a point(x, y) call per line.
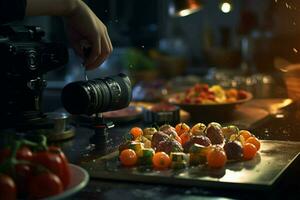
point(65, 164)
point(44, 185)
point(24, 153)
point(52, 162)
point(7, 188)
point(23, 174)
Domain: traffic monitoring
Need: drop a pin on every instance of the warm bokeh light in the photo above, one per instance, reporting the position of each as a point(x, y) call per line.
point(183, 8)
point(186, 12)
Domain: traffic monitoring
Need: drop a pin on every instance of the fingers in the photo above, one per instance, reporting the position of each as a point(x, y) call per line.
point(109, 42)
point(94, 53)
point(101, 52)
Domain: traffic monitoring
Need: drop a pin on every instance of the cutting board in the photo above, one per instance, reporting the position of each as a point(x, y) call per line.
point(262, 172)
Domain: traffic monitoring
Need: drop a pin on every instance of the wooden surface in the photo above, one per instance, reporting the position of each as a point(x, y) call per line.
point(255, 112)
point(262, 172)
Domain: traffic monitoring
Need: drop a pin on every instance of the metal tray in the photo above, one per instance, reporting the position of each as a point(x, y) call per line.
point(262, 172)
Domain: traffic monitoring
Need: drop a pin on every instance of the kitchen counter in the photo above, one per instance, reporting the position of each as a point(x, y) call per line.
point(284, 126)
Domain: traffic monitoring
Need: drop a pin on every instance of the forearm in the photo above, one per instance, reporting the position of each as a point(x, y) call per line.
point(51, 7)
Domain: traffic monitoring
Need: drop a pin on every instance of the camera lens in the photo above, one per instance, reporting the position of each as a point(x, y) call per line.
point(98, 95)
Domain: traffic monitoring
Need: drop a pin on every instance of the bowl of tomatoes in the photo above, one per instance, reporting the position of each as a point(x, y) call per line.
point(34, 170)
point(208, 103)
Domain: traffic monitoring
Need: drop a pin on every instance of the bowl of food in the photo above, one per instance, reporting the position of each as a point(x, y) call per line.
point(204, 102)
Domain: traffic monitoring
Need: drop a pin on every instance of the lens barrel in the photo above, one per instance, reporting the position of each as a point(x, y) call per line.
point(98, 95)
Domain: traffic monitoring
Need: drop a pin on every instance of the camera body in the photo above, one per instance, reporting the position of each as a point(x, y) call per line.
point(25, 58)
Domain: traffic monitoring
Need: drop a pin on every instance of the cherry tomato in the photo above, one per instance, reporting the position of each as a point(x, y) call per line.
point(255, 141)
point(198, 87)
point(128, 157)
point(136, 132)
point(24, 153)
point(182, 128)
point(216, 157)
point(178, 139)
point(51, 161)
point(23, 174)
point(161, 161)
point(246, 134)
point(65, 164)
point(249, 151)
point(7, 188)
point(44, 185)
point(185, 137)
point(242, 94)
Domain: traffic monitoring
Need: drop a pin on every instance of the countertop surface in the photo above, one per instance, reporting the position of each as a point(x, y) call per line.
point(283, 125)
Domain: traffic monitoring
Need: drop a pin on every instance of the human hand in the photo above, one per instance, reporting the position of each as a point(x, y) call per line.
point(84, 29)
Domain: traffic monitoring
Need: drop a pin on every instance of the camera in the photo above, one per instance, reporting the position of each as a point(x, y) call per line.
point(98, 95)
point(25, 58)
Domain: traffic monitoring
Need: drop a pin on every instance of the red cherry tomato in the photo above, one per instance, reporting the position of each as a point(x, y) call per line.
point(24, 153)
point(65, 164)
point(44, 185)
point(7, 188)
point(51, 161)
point(23, 174)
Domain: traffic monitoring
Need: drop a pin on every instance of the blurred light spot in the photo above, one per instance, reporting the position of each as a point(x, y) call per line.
point(295, 50)
point(184, 12)
point(226, 7)
point(279, 116)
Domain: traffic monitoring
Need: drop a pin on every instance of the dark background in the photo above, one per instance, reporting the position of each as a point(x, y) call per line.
point(249, 39)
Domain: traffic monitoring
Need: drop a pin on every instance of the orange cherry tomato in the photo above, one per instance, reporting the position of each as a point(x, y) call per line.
point(216, 157)
point(128, 157)
point(255, 141)
point(182, 128)
point(185, 137)
point(246, 134)
point(249, 151)
point(161, 161)
point(136, 132)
